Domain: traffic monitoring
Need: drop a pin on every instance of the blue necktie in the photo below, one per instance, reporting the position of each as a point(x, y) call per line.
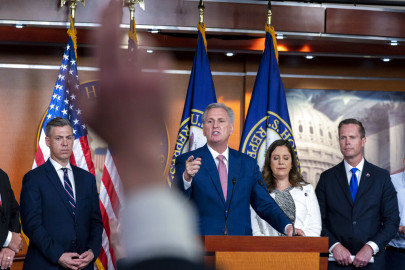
point(354, 185)
point(69, 190)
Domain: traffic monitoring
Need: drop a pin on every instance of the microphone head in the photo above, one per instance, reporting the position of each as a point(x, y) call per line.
point(234, 181)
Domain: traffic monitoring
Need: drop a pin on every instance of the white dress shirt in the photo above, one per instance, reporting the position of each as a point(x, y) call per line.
point(359, 171)
point(307, 214)
point(398, 180)
point(59, 170)
point(214, 154)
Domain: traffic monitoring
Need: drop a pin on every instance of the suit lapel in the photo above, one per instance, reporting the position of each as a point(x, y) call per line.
point(234, 164)
point(209, 165)
point(365, 180)
point(3, 200)
point(342, 181)
point(79, 189)
point(54, 179)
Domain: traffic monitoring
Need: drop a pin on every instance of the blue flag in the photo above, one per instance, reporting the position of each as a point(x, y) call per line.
point(200, 94)
point(267, 119)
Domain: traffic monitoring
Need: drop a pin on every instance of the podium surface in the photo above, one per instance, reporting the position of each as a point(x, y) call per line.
point(265, 252)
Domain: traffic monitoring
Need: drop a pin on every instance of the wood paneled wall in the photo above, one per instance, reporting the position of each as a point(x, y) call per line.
point(25, 93)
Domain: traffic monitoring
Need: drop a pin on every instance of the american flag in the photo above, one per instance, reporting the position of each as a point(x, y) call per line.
point(64, 104)
point(110, 204)
point(111, 195)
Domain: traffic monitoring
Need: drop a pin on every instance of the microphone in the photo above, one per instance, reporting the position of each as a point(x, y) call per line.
point(229, 207)
point(262, 185)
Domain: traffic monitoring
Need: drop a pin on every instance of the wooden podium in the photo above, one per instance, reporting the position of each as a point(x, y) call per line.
point(264, 252)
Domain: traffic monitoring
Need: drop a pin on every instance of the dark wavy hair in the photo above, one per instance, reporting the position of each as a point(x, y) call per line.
point(294, 177)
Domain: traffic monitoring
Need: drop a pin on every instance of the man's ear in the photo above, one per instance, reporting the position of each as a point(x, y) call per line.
point(47, 140)
point(363, 141)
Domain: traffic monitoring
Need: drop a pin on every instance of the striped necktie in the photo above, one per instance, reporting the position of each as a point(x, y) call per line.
point(69, 190)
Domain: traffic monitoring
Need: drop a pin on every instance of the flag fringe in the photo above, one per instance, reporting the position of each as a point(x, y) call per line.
point(133, 35)
point(72, 32)
point(99, 265)
point(201, 28)
point(270, 30)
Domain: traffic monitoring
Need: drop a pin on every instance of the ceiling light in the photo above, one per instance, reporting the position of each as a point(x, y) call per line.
point(280, 36)
point(149, 51)
point(309, 57)
point(229, 54)
point(19, 26)
point(154, 31)
point(394, 43)
point(386, 59)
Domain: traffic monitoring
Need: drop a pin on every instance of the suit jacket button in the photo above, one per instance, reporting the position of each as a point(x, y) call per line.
point(354, 222)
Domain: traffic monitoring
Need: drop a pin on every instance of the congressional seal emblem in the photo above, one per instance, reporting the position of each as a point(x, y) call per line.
point(264, 132)
point(190, 137)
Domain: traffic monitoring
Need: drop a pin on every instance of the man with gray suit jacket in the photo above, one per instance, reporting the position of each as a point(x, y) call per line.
point(358, 204)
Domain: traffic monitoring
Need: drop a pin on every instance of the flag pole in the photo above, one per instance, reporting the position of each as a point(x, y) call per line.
point(201, 25)
point(270, 29)
point(72, 30)
point(72, 8)
point(201, 12)
point(131, 6)
point(269, 14)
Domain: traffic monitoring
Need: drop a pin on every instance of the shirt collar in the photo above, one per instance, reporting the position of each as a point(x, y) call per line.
point(57, 166)
point(215, 154)
point(359, 166)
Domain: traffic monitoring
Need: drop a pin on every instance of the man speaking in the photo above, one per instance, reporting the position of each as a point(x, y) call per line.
point(223, 182)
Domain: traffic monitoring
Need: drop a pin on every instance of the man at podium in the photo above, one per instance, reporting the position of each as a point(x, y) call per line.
point(223, 182)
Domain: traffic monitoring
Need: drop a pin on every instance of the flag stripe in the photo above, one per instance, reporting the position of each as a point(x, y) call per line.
point(109, 187)
point(110, 204)
point(105, 242)
point(112, 186)
point(87, 154)
point(39, 157)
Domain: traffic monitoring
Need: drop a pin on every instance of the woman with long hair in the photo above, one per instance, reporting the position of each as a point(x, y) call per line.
point(292, 193)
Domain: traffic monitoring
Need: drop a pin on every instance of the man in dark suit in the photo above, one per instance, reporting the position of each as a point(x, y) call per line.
point(223, 182)
point(10, 228)
point(358, 204)
point(60, 210)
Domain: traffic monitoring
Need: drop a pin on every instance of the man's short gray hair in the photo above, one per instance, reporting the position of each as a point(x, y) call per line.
point(56, 122)
point(228, 110)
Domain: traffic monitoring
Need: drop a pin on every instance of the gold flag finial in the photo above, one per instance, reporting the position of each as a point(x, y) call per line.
point(72, 7)
point(201, 11)
point(131, 6)
point(269, 14)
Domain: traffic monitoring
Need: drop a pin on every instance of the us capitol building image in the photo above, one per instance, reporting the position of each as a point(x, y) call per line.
point(316, 135)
